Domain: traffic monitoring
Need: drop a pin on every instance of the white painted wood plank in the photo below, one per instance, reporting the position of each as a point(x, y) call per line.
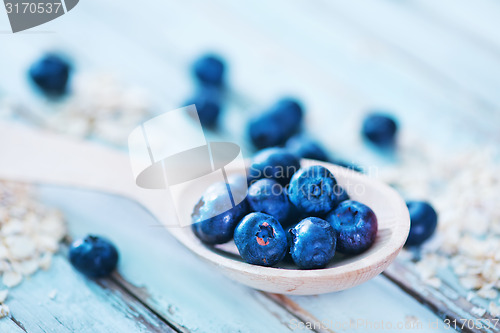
point(470, 67)
point(478, 21)
point(378, 302)
point(337, 78)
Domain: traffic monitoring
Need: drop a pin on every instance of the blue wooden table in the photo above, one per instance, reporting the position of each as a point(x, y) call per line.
point(434, 64)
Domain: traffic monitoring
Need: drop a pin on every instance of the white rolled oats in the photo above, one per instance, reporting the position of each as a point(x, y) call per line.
point(100, 107)
point(4, 310)
point(3, 295)
point(30, 234)
point(464, 188)
point(11, 278)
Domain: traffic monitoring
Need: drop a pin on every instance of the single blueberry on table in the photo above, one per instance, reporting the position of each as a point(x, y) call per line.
point(209, 69)
point(274, 126)
point(312, 190)
point(208, 105)
point(217, 229)
point(51, 74)
point(423, 222)
point(313, 243)
point(380, 129)
point(260, 239)
point(356, 226)
point(274, 163)
point(93, 256)
point(268, 196)
point(305, 147)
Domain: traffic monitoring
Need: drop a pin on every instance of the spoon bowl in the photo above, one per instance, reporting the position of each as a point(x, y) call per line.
point(343, 272)
point(41, 157)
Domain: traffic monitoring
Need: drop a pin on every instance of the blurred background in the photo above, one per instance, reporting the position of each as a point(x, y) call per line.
point(434, 66)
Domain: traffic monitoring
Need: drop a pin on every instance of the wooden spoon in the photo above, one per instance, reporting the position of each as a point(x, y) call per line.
point(40, 157)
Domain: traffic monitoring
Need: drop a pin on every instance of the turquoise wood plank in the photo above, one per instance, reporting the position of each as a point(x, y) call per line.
point(9, 325)
point(384, 80)
point(371, 307)
point(477, 21)
point(183, 289)
point(346, 100)
point(472, 68)
point(79, 305)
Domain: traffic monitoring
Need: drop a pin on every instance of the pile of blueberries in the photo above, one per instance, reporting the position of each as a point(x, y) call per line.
point(320, 220)
point(317, 213)
point(326, 221)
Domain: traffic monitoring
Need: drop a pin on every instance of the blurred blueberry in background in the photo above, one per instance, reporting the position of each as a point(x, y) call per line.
point(304, 146)
point(380, 129)
point(209, 69)
point(423, 222)
point(276, 125)
point(51, 74)
point(208, 104)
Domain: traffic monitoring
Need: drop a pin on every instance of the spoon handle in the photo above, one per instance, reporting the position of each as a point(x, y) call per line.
point(40, 157)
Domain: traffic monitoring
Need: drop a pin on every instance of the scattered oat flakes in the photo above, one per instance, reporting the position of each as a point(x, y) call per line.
point(494, 309)
point(29, 235)
point(4, 310)
point(11, 278)
point(477, 311)
point(3, 295)
point(464, 188)
point(53, 294)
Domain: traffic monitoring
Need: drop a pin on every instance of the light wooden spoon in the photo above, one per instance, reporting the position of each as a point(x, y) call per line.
point(39, 157)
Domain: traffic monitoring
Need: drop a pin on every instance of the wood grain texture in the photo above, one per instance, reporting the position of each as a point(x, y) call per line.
point(361, 69)
point(79, 304)
point(470, 67)
point(160, 272)
point(106, 170)
point(446, 300)
point(184, 289)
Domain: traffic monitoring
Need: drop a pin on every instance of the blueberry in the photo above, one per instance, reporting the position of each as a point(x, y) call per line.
point(51, 74)
point(276, 125)
point(346, 164)
point(312, 190)
point(340, 194)
point(356, 226)
point(275, 163)
point(294, 216)
point(268, 196)
point(208, 105)
point(209, 69)
point(260, 239)
point(305, 147)
point(313, 243)
point(423, 219)
point(380, 129)
point(217, 229)
point(93, 256)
